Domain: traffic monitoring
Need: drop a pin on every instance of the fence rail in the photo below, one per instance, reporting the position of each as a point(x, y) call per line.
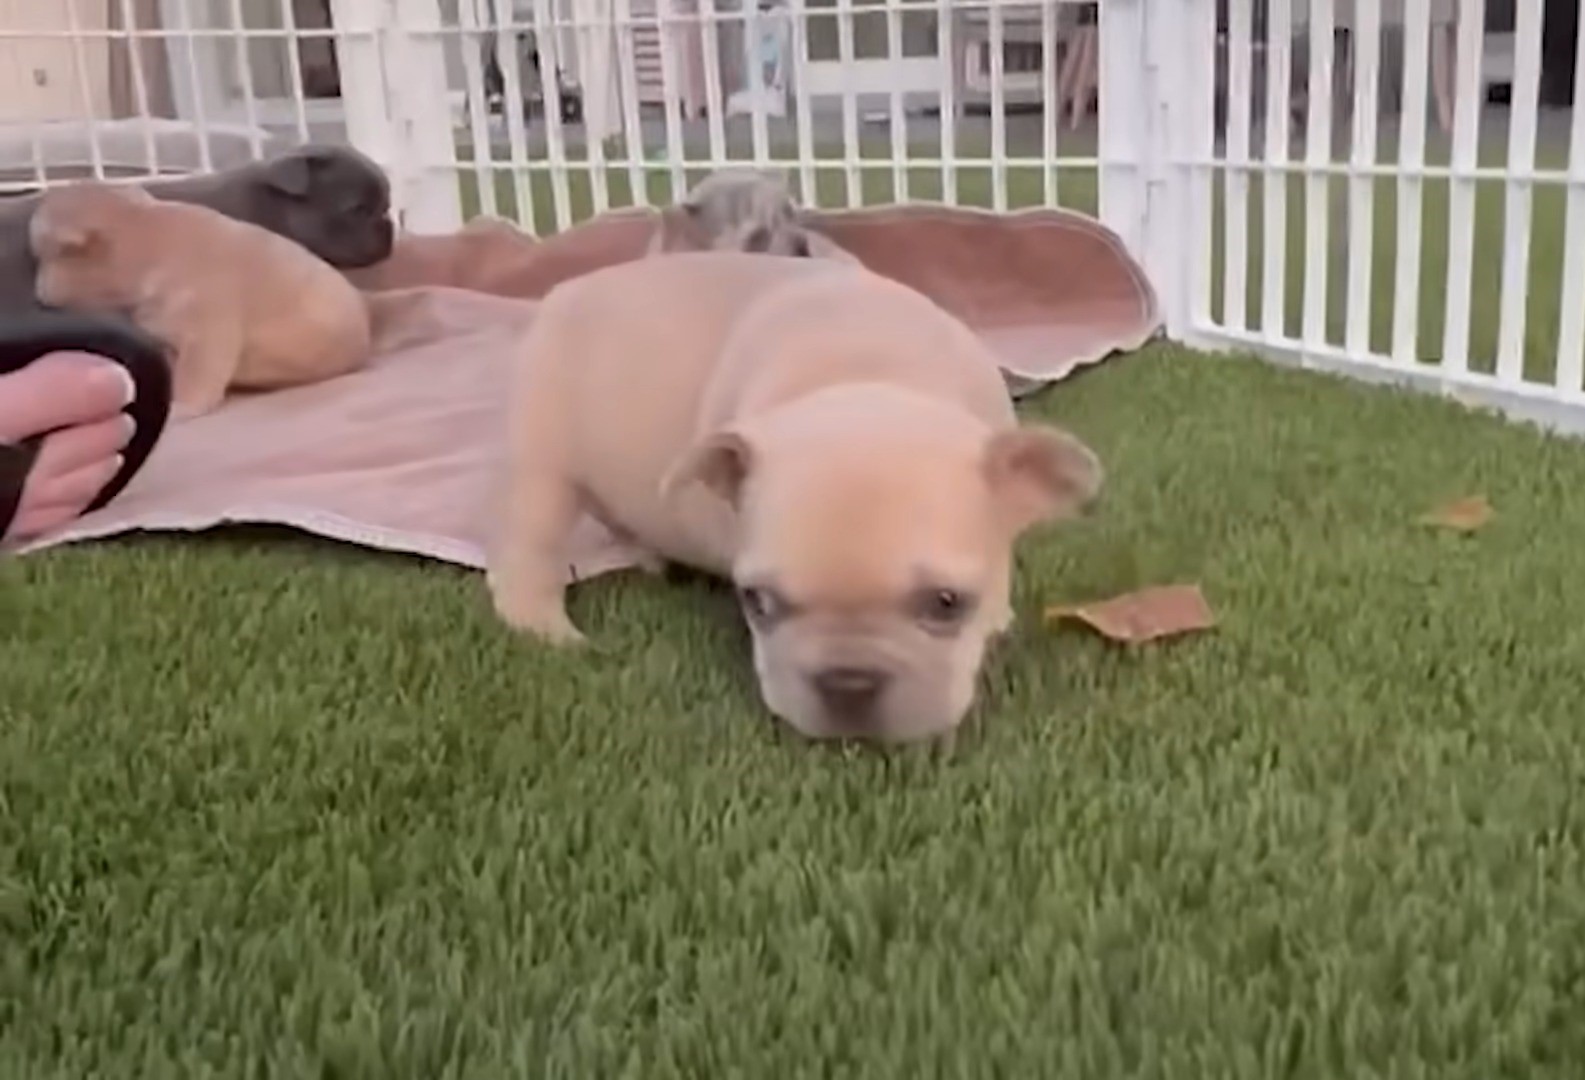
point(1394, 189)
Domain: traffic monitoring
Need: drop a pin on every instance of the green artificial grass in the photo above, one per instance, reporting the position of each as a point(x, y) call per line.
point(272, 807)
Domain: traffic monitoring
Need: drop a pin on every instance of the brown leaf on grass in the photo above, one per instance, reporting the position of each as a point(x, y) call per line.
point(1465, 515)
point(1147, 615)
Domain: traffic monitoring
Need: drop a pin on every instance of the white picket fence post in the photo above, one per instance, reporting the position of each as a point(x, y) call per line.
point(1128, 177)
point(430, 192)
point(1157, 85)
point(396, 100)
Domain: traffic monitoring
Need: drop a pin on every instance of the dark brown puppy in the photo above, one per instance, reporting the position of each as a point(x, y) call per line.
point(332, 200)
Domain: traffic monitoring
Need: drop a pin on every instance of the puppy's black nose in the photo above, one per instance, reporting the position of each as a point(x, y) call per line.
point(850, 692)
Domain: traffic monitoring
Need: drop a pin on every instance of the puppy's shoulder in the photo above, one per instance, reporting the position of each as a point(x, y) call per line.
point(194, 219)
point(286, 256)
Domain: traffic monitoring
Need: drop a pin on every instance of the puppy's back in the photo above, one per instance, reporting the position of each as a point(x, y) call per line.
point(306, 317)
point(300, 317)
point(640, 321)
point(857, 327)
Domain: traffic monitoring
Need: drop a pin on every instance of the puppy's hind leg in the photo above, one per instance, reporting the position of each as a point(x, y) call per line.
point(538, 502)
point(528, 568)
point(205, 363)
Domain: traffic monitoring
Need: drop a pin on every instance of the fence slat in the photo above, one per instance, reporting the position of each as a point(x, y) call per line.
point(759, 121)
point(196, 93)
point(1050, 104)
point(803, 121)
point(501, 19)
point(850, 114)
point(1516, 217)
point(714, 94)
point(425, 151)
point(1194, 123)
point(1411, 189)
point(250, 103)
point(140, 88)
point(898, 117)
point(1461, 188)
point(1570, 373)
point(1279, 77)
point(1366, 49)
point(1235, 211)
point(365, 99)
point(548, 41)
point(84, 90)
point(294, 68)
point(632, 120)
point(946, 47)
point(593, 41)
point(477, 107)
point(1317, 185)
point(998, 67)
point(670, 30)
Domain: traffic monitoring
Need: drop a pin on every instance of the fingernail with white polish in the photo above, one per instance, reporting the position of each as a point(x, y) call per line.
point(123, 377)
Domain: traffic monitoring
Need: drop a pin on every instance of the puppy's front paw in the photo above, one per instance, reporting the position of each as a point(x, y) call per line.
point(547, 623)
point(553, 629)
point(650, 563)
point(184, 411)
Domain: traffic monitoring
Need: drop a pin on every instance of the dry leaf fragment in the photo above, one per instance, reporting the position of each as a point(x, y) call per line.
point(1465, 515)
point(1147, 615)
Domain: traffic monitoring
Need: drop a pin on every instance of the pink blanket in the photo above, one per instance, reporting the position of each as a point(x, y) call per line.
point(401, 456)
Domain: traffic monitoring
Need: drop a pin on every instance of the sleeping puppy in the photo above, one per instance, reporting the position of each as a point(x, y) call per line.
point(741, 210)
point(333, 201)
point(239, 306)
point(838, 446)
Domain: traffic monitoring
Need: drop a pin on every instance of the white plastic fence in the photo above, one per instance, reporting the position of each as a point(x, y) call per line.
point(1366, 185)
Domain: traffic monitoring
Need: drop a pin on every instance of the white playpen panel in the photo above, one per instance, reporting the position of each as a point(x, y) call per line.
point(1316, 180)
point(1438, 243)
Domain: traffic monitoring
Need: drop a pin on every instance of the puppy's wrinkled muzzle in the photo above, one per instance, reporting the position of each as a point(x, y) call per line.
point(365, 246)
point(850, 695)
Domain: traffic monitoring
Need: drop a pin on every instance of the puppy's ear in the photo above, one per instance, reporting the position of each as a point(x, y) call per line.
point(721, 462)
point(798, 244)
point(292, 175)
point(65, 238)
point(681, 230)
point(1040, 474)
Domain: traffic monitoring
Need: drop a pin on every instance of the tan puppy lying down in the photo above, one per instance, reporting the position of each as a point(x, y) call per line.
point(238, 305)
point(833, 442)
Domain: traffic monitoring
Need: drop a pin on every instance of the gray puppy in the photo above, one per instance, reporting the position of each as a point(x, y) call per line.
point(741, 210)
point(332, 200)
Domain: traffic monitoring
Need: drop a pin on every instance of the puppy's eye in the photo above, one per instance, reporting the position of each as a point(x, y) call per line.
point(762, 605)
point(942, 609)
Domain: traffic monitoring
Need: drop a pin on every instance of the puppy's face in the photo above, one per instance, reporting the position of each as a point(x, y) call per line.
point(873, 571)
point(79, 235)
point(333, 201)
point(737, 210)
